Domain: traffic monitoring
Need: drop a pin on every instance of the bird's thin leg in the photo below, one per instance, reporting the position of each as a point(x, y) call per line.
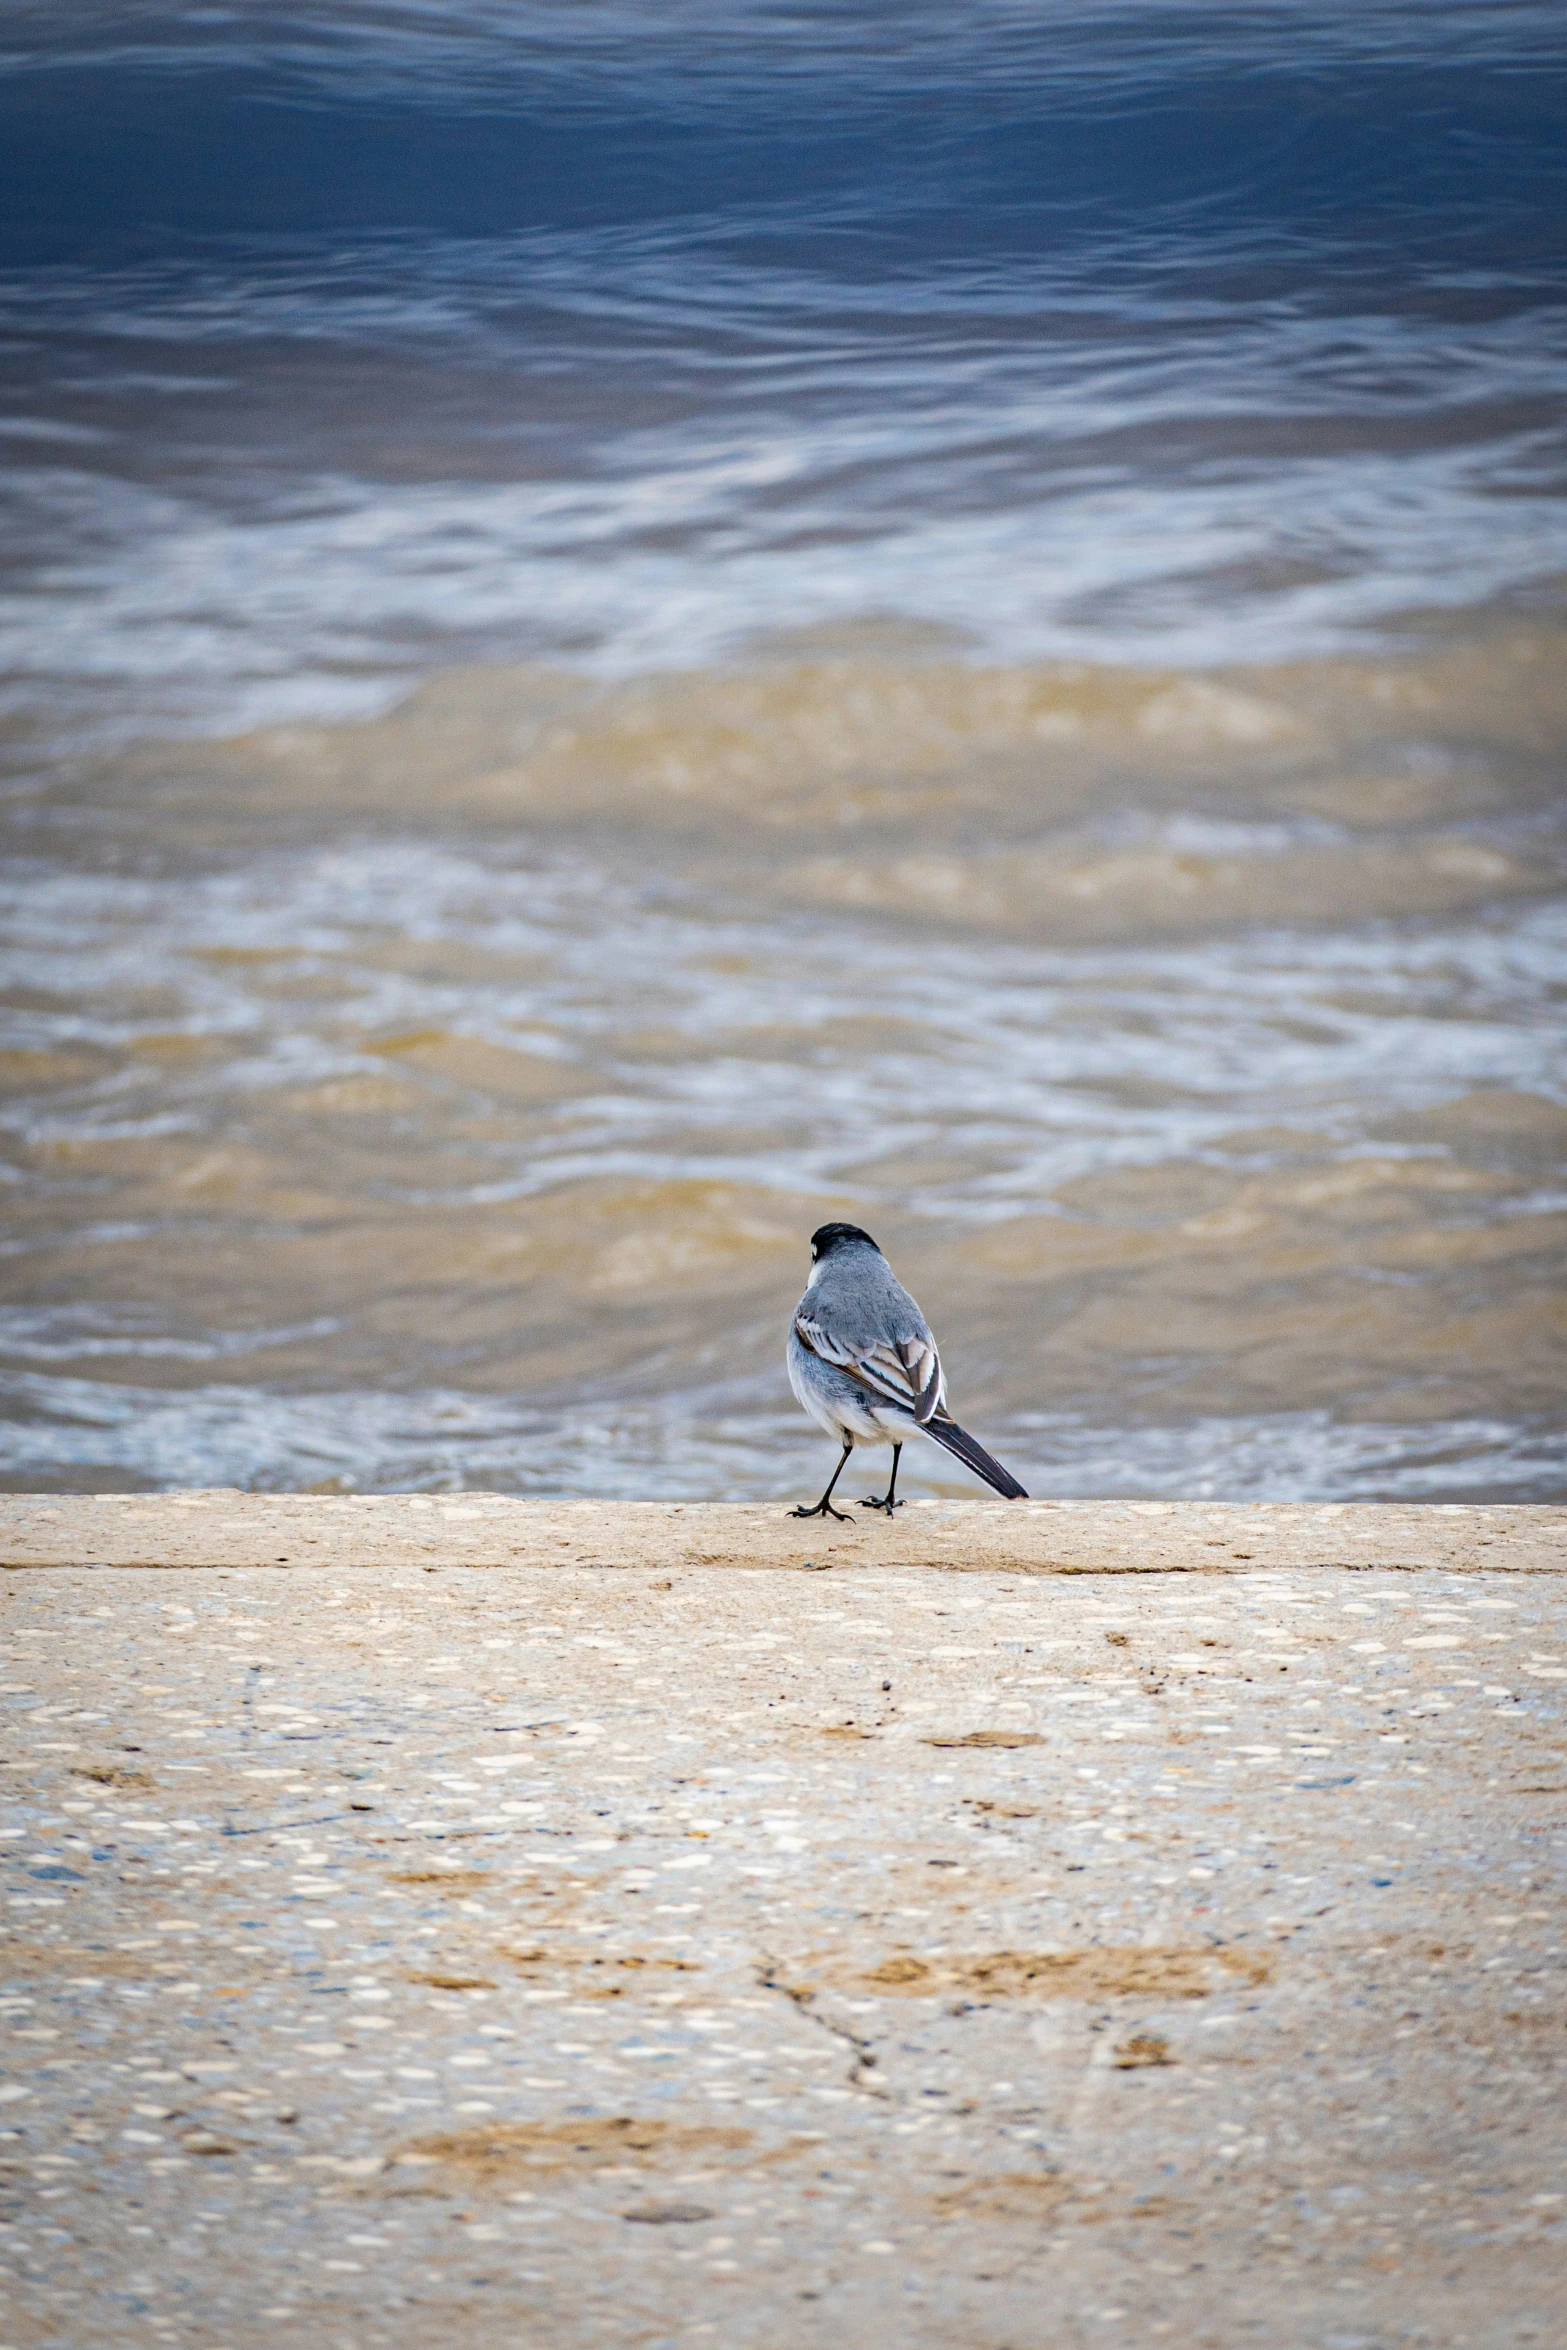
point(824, 1508)
point(887, 1502)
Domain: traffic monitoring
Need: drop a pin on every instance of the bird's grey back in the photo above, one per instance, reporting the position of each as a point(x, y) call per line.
point(861, 1301)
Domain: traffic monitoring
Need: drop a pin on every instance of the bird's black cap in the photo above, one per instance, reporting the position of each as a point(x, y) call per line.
point(827, 1237)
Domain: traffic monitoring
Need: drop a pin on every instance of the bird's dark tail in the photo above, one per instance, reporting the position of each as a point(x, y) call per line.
point(961, 1444)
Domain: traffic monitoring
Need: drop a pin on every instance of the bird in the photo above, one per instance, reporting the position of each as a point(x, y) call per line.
point(864, 1365)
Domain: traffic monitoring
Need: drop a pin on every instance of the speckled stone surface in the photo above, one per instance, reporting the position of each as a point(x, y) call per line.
point(225, 1528)
point(425, 1946)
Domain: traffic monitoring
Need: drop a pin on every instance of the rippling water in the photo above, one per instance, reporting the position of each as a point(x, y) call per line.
point(621, 633)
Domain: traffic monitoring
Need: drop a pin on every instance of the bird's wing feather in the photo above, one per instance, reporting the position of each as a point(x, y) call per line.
point(905, 1371)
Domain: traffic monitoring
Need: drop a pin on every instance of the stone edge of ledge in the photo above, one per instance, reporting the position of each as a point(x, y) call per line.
point(224, 1528)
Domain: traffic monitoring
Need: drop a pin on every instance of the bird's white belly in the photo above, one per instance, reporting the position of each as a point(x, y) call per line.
point(843, 1413)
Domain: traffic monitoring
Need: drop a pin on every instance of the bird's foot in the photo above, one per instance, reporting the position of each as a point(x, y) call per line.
point(823, 1509)
point(872, 1502)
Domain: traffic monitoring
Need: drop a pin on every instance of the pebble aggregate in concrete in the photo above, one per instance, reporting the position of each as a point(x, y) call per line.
point(547, 1956)
point(226, 1528)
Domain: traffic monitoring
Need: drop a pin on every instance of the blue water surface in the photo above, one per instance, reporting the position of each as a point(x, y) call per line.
point(344, 341)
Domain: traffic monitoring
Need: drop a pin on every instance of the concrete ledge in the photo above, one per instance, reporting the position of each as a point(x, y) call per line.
point(227, 1528)
point(1041, 1957)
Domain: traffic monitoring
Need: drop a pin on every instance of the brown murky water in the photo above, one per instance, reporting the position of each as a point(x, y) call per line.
point(448, 1097)
point(984, 600)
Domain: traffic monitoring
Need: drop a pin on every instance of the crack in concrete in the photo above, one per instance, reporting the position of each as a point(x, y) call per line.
point(803, 1999)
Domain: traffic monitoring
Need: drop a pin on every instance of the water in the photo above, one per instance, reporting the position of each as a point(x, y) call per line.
point(621, 633)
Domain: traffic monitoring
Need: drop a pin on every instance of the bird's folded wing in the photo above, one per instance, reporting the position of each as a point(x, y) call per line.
point(904, 1371)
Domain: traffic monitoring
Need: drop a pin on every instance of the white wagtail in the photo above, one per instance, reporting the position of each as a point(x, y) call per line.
point(864, 1365)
